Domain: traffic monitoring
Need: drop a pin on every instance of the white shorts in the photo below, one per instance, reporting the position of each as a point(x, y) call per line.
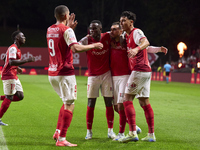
point(65, 87)
point(139, 84)
point(12, 86)
point(103, 82)
point(119, 84)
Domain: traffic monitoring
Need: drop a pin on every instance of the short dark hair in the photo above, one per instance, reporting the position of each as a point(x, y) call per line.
point(96, 21)
point(129, 15)
point(116, 23)
point(14, 34)
point(60, 12)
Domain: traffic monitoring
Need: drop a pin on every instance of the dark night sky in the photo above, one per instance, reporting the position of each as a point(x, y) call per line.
point(164, 22)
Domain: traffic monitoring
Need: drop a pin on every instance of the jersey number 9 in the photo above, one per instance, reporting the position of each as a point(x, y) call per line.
point(51, 46)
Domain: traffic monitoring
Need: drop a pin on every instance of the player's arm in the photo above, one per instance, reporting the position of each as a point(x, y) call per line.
point(76, 48)
point(143, 44)
point(14, 62)
point(154, 49)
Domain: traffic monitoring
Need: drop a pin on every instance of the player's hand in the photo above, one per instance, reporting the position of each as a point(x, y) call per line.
point(98, 45)
point(164, 49)
point(71, 23)
point(19, 70)
point(132, 52)
point(31, 59)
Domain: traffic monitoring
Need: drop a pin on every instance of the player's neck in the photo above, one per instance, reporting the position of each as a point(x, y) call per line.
point(60, 22)
point(17, 44)
point(97, 38)
point(129, 30)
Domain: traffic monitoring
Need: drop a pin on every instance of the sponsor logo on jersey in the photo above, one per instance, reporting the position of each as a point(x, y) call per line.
point(100, 52)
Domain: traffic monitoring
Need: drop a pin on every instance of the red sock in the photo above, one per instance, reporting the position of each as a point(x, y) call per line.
point(122, 121)
point(60, 117)
point(15, 98)
point(110, 116)
point(89, 117)
point(66, 121)
point(130, 114)
point(4, 106)
point(148, 111)
point(2, 97)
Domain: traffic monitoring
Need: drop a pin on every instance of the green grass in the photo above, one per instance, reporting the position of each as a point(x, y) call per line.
point(32, 122)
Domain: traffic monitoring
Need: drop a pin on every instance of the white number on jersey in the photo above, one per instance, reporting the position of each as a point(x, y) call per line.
point(51, 46)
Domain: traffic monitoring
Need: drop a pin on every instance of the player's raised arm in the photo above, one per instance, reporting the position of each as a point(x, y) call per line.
point(154, 49)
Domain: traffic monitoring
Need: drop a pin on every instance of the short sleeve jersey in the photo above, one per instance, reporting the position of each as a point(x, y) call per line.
point(140, 61)
point(10, 72)
point(167, 67)
point(118, 59)
point(59, 39)
point(97, 59)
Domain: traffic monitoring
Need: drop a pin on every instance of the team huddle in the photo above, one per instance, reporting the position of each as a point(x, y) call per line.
point(118, 66)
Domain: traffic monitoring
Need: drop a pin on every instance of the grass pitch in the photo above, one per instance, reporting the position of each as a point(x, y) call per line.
point(32, 122)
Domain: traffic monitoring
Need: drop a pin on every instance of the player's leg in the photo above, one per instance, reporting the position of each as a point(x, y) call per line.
point(167, 77)
point(90, 117)
point(93, 85)
point(9, 87)
point(19, 95)
point(122, 122)
point(54, 81)
point(68, 92)
point(57, 132)
point(4, 107)
point(107, 93)
point(149, 115)
point(67, 116)
point(143, 97)
point(131, 89)
point(120, 82)
point(2, 97)
point(110, 116)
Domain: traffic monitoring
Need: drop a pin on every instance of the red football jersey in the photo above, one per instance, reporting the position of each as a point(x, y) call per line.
point(118, 59)
point(59, 39)
point(10, 72)
point(98, 59)
point(140, 61)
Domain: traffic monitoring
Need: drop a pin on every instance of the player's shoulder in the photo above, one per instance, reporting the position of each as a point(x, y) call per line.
point(138, 31)
point(12, 48)
point(105, 36)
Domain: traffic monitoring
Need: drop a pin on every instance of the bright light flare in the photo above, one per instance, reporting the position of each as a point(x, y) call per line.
point(180, 65)
point(181, 47)
point(198, 65)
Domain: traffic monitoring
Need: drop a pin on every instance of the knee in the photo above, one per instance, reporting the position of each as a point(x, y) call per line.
point(91, 102)
point(10, 97)
point(108, 101)
point(20, 95)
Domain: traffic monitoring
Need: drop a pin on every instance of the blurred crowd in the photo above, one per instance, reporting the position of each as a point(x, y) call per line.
point(184, 64)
